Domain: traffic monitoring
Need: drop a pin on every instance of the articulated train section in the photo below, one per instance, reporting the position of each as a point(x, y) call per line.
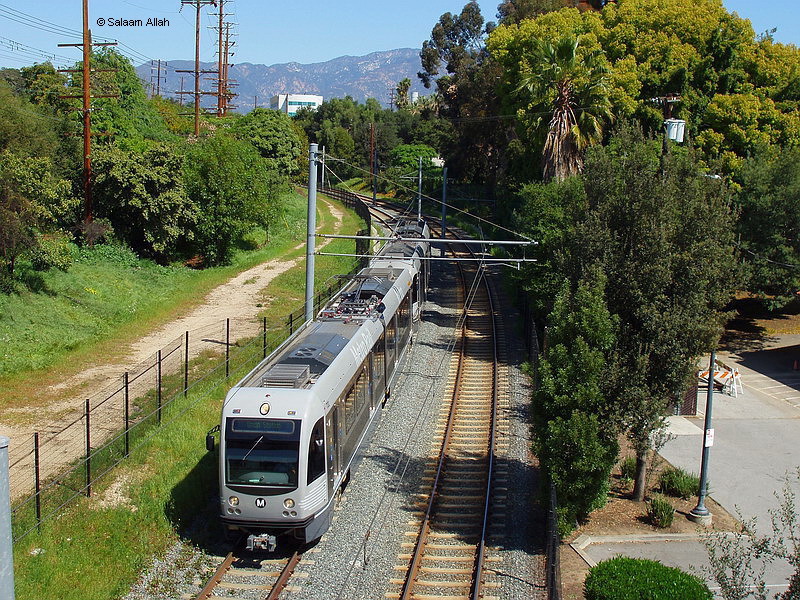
point(448, 545)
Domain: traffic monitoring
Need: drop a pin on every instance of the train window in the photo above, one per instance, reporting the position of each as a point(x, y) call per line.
point(316, 451)
point(349, 409)
point(361, 391)
point(378, 373)
point(391, 343)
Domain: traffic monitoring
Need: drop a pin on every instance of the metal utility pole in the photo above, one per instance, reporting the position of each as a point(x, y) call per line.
point(6, 538)
point(701, 514)
point(311, 229)
point(198, 4)
point(372, 158)
point(419, 191)
point(255, 102)
point(444, 207)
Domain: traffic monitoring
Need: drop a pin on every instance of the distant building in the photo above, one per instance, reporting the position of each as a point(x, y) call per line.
point(291, 103)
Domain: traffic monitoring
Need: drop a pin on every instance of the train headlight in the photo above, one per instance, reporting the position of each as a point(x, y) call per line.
point(233, 501)
point(288, 503)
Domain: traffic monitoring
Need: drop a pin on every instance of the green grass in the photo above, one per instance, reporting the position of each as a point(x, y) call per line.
point(96, 553)
point(109, 297)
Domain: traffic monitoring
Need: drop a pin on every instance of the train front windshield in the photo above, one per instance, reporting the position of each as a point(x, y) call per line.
point(262, 452)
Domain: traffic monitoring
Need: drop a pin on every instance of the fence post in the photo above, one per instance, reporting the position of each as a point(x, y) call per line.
point(264, 342)
point(127, 416)
point(37, 481)
point(186, 366)
point(88, 452)
point(158, 384)
point(6, 536)
point(291, 323)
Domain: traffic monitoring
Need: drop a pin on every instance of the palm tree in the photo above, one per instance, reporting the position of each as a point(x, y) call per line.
point(572, 91)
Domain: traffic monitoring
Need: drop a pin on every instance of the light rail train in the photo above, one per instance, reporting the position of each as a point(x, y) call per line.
point(292, 427)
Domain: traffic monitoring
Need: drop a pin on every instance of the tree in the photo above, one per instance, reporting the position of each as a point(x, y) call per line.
point(272, 134)
point(456, 41)
point(402, 93)
point(130, 116)
point(142, 195)
point(229, 183)
point(570, 402)
point(31, 199)
point(515, 11)
point(769, 223)
point(569, 88)
point(662, 233)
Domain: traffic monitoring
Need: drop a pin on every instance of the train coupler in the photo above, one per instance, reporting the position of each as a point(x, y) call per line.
point(262, 542)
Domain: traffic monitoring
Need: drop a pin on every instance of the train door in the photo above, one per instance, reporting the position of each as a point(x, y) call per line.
point(332, 435)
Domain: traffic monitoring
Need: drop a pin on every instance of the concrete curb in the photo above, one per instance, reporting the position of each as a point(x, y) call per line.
point(583, 541)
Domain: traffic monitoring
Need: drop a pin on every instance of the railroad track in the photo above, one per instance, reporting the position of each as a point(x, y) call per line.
point(448, 556)
point(250, 577)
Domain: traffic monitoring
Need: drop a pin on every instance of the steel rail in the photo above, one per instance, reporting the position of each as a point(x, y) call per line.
point(216, 578)
point(413, 570)
point(284, 577)
point(477, 579)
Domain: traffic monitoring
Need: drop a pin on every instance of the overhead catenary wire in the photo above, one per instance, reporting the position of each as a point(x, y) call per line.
point(435, 200)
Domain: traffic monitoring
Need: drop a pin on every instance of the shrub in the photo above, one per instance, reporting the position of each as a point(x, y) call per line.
point(678, 483)
point(660, 511)
point(623, 578)
point(627, 467)
point(54, 250)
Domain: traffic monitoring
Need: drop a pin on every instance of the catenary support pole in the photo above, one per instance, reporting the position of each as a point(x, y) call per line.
point(6, 539)
point(701, 514)
point(311, 230)
point(444, 207)
point(419, 191)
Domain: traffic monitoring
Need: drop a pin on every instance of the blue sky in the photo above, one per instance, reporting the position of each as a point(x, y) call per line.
point(272, 32)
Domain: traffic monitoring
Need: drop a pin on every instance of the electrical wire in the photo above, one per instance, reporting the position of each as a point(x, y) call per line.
point(434, 200)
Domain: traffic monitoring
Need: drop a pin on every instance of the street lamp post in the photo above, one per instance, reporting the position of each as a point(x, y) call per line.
point(700, 514)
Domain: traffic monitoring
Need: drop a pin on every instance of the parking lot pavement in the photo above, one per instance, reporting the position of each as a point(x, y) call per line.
point(756, 450)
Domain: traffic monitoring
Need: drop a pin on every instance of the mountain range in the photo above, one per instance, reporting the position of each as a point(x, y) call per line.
point(374, 75)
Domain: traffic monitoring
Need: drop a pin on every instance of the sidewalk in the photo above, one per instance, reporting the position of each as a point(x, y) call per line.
point(755, 446)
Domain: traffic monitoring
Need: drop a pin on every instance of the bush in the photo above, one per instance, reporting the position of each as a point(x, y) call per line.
point(579, 461)
point(660, 511)
point(679, 483)
point(627, 467)
point(623, 578)
point(54, 250)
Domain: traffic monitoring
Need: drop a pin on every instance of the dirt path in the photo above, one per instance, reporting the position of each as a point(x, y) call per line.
point(239, 298)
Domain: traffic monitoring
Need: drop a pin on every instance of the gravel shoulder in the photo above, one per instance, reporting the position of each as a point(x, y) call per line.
point(356, 558)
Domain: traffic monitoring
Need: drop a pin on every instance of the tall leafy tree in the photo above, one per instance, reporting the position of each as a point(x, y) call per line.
point(769, 225)
point(567, 90)
point(573, 439)
point(228, 182)
point(142, 195)
point(272, 134)
point(663, 234)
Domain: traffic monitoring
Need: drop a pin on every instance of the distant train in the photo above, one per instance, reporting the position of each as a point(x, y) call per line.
point(291, 428)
